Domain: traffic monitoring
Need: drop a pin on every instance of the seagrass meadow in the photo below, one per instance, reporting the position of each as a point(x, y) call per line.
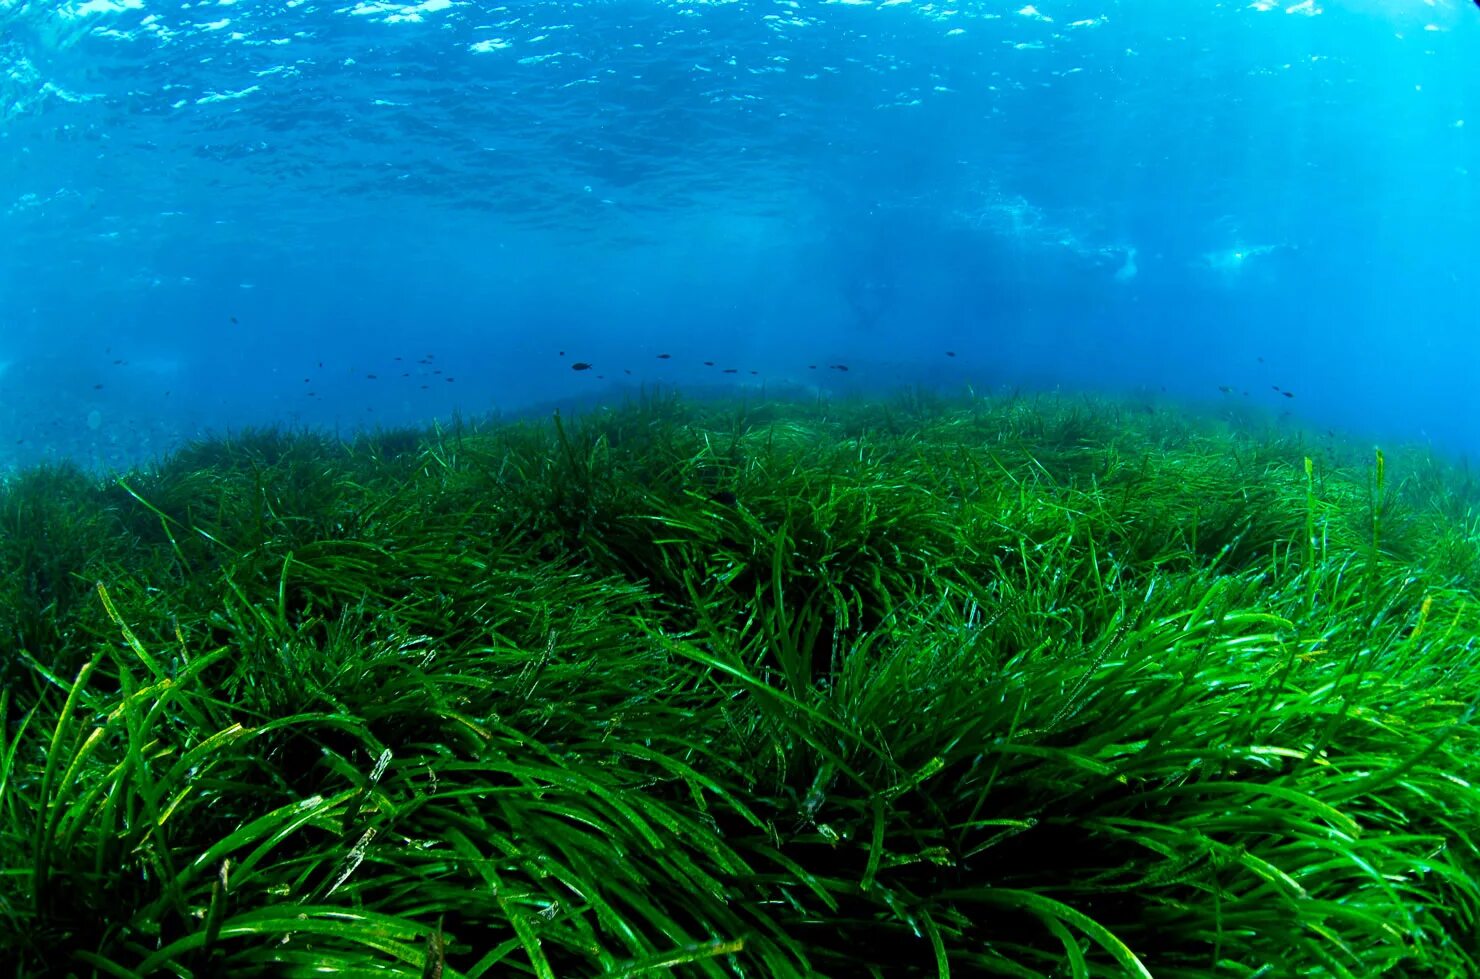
point(1020, 687)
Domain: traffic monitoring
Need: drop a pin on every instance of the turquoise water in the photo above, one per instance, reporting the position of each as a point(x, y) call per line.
point(340, 214)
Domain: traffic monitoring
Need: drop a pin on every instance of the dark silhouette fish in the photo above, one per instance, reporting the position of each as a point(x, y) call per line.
point(580, 365)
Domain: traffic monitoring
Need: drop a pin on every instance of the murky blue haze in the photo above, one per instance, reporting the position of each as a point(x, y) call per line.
point(215, 214)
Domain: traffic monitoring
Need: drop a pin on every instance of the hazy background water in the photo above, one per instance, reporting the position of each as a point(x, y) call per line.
point(230, 212)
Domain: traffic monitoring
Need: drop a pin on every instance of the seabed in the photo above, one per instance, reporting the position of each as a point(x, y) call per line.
point(1025, 687)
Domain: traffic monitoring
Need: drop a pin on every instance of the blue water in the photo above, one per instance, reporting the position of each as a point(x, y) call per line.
point(221, 214)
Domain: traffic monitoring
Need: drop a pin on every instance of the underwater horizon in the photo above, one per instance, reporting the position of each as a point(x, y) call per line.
point(222, 215)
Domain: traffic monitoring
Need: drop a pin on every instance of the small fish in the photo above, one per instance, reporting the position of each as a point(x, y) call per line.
point(1288, 394)
point(708, 363)
point(1225, 389)
point(665, 356)
point(839, 367)
point(950, 353)
point(580, 365)
point(117, 362)
point(450, 380)
point(233, 319)
point(725, 498)
point(398, 358)
point(562, 353)
point(626, 371)
point(305, 380)
point(811, 367)
point(372, 377)
point(97, 387)
point(753, 373)
point(730, 370)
